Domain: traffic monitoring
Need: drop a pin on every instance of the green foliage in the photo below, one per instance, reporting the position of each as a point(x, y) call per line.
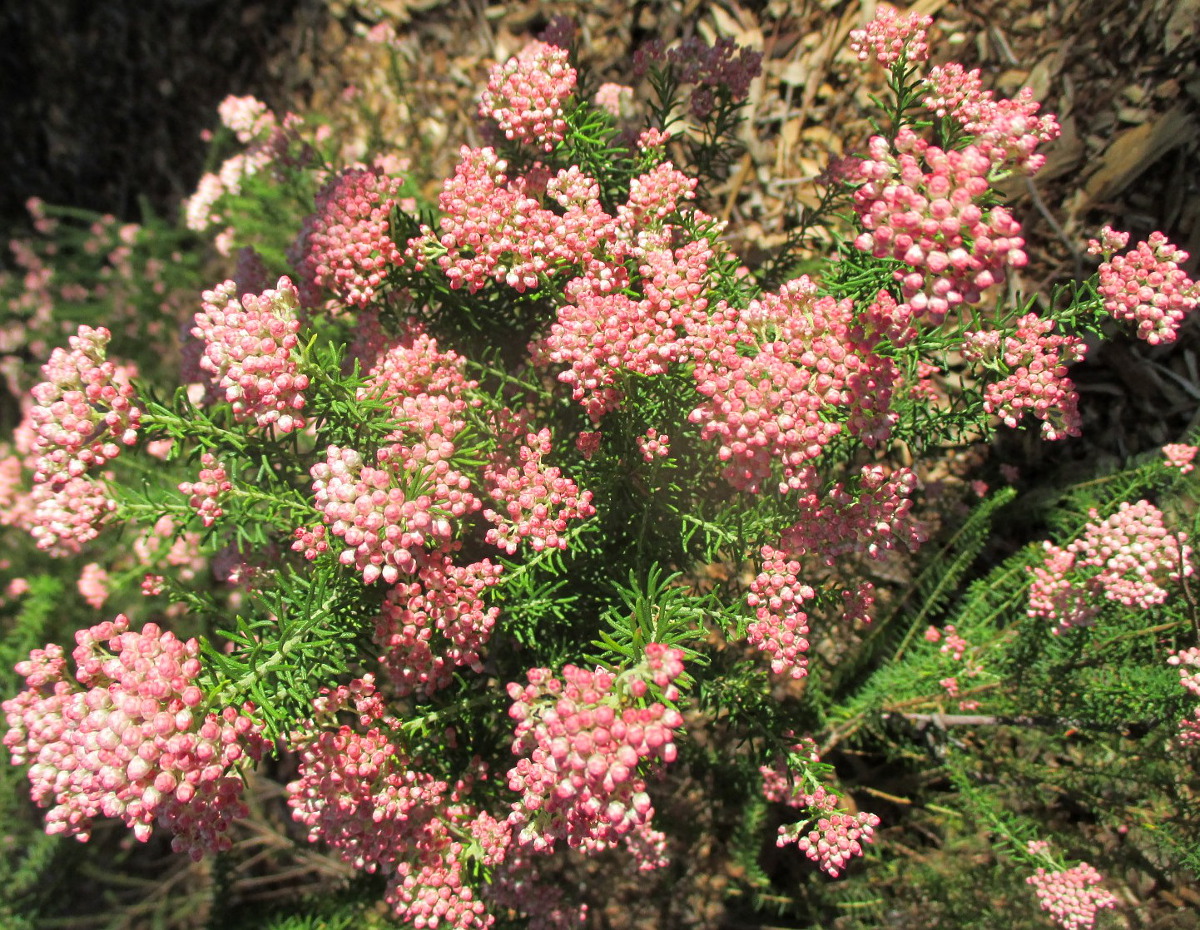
point(304, 635)
point(656, 610)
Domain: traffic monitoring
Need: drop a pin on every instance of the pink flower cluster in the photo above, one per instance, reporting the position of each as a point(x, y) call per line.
point(435, 623)
point(890, 37)
point(250, 349)
point(849, 522)
point(780, 626)
point(1006, 132)
point(1129, 557)
point(1188, 663)
point(603, 333)
point(928, 208)
point(1069, 895)
point(867, 521)
point(84, 411)
point(613, 97)
point(1110, 241)
point(654, 197)
point(580, 740)
point(1147, 287)
point(267, 139)
point(248, 117)
point(204, 494)
point(538, 500)
point(346, 245)
point(93, 585)
point(525, 95)
point(425, 385)
point(494, 227)
point(1037, 379)
point(65, 517)
point(394, 517)
point(132, 743)
point(775, 410)
point(836, 837)
point(654, 445)
point(1181, 456)
point(954, 645)
point(357, 793)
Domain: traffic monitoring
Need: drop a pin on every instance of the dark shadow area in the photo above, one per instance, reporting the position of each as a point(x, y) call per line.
point(103, 103)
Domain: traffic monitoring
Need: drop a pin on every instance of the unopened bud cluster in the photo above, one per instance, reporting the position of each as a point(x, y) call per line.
point(928, 207)
point(538, 499)
point(346, 246)
point(525, 95)
point(890, 37)
point(132, 742)
point(1129, 557)
point(250, 349)
point(1070, 896)
point(1147, 287)
point(830, 837)
point(581, 739)
point(204, 494)
point(84, 411)
point(394, 516)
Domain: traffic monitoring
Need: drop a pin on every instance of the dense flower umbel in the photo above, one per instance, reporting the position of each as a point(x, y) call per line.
point(394, 516)
point(436, 623)
point(131, 743)
point(250, 348)
point(1006, 132)
point(538, 500)
point(1037, 381)
point(66, 517)
point(780, 626)
point(580, 740)
point(425, 385)
point(1146, 287)
point(848, 522)
point(890, 37)
point(495, 227)
point(928, 208)
point(84, 411)
point(346, 245)
point(774, 411)
point(1180, 455)
point(525, 95)
point(358, 793)
point(1130, 557)
point(603, 333)
point(1069, 895)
